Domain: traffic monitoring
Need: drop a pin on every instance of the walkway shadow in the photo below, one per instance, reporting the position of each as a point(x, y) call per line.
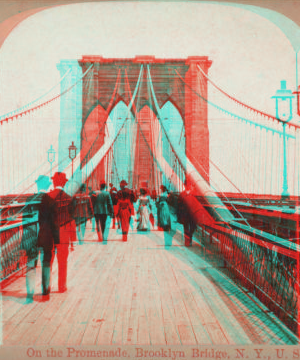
point(168, 238)
point(16, 296)
point(256, 320)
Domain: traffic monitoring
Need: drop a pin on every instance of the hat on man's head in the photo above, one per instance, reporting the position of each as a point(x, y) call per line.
point(59, 178)
point(43, 180)
point(123, 183)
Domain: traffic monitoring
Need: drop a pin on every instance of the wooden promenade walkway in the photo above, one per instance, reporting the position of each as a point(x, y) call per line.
point(139, 292)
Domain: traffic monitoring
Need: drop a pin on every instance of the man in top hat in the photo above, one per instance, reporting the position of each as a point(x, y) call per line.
point(185, 213)
point(114, 197)
point(65, 226)
point(93, 220)
point(46, 237)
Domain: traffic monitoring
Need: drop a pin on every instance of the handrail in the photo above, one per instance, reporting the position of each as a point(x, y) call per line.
point(281, 245)
point(266, 269)
point(18, 244)
point(23, 222)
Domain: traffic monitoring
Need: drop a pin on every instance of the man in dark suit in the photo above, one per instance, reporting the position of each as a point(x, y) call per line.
point(47, 236)
point(65, 227)
point(93, 221)
point(114, 197)
point(103, 207)
point(185, 213)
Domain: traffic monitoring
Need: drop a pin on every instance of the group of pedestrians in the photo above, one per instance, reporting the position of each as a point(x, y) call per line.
point(62, 217)
point(124, 204)
point(114, 204)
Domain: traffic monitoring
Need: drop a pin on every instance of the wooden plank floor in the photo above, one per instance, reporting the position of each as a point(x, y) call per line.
point(140, 292)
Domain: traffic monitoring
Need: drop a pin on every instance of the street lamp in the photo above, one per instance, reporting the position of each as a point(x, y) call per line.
point(284, 113)
point(72, 154)
point(297, 223)
point(51, 158)
point(298, 100)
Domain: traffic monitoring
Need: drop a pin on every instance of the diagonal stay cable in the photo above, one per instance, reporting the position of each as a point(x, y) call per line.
point(86, 170)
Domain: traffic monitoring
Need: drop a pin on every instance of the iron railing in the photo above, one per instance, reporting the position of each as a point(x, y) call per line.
point(266, 269)
point(19, 232)
point(18, 246)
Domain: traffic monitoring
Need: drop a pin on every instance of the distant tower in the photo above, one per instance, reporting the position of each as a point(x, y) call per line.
point(84, 113)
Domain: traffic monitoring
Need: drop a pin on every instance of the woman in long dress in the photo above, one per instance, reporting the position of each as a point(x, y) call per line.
point(144, 207)
point(124, 211)
point(163, 211)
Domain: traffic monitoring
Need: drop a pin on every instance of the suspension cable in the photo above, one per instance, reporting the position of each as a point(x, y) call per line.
point(117, 85)
point(227, 112)
point(46, 102)
point(241, 103)
point(106, 146)
point(20, 109)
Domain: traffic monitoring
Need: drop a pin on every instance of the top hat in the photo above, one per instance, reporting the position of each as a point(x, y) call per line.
point(123, 183)
point(43, 179)
point(59, 177)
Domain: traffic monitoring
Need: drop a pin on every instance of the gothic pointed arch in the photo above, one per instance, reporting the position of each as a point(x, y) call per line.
point(145, 172)
point(122, 154)
point(170, 101)
point(92, 139)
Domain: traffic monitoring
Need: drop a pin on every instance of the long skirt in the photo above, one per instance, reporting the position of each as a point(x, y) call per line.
point(143, 222)
point(124, 217)
point(163, 216)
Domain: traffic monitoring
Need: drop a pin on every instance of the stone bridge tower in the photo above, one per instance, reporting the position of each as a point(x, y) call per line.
point(93, 98)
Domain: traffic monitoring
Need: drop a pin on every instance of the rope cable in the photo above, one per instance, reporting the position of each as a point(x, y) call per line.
point(20, 109)
point(44, 103)
point(227, 112)
point(243, 104)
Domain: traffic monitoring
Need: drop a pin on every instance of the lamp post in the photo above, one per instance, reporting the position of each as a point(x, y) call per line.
point(297, 222)
point(298, 100)
point(72, 154)
point(284, 113)
point(51, 158)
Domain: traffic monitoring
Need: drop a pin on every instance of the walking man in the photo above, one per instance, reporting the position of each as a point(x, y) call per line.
point(103, 207)
point(47, 236)
point(185, 213)
point(65, 227)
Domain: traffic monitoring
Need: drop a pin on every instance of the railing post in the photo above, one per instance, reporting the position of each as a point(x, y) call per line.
point(298, 270)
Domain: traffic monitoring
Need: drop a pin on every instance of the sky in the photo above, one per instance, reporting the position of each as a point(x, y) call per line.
point(250, 55)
